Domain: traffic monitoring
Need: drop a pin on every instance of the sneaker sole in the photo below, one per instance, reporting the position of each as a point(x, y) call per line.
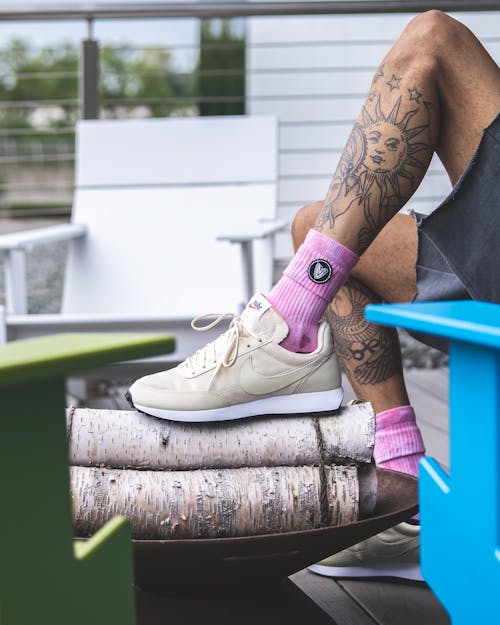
point(404, 571)
point(278, 404)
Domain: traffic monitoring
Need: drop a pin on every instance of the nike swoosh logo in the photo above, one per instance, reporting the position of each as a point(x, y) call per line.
point(255, 383)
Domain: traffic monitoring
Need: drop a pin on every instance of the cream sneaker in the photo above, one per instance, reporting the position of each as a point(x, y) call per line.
point(244, 373)
point(392, 553)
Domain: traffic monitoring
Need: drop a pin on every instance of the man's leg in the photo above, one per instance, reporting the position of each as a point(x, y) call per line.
point(436, 90)
point(370, 354)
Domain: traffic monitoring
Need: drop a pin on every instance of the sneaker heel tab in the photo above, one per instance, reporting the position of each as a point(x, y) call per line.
point(325, 337)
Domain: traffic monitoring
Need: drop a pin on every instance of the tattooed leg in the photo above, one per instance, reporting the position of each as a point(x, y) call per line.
point(370, 354)
point(386, 156)
point(436, 89)
point(409, 113)
point(371, 358)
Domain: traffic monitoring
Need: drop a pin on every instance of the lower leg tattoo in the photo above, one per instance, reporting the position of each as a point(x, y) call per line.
point(370, 353)
point(386, 156)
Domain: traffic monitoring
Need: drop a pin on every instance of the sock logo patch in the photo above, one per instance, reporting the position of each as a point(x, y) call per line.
point(320, 271)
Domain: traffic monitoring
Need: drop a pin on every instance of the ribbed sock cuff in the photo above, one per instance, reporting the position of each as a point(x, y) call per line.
point(308, 285)
point(318, 246)
point(397, 436)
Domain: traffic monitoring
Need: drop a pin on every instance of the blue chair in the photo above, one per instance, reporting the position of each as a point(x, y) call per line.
point(461, 511)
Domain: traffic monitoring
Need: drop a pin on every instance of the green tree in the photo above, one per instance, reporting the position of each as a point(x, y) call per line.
point(28, 76)
point(129, 78)
point(221, 69)
point(147, 78)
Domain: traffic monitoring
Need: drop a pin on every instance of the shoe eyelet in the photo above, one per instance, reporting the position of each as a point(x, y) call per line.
point(248, 345)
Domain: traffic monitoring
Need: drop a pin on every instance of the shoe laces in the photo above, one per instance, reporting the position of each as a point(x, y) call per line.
point(223, 351)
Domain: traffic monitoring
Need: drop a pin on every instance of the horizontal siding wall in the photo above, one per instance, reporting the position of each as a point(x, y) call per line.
point(313, 73)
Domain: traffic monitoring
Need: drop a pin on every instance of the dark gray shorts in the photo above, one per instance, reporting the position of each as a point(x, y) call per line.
point(459, 243)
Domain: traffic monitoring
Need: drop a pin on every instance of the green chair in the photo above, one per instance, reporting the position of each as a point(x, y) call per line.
point(46, 578)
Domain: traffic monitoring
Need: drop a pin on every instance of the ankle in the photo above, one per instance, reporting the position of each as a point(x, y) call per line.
point(302, 339)
point(308, 285)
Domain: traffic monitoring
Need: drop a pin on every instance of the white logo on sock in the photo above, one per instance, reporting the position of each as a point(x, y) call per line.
point(320, 271)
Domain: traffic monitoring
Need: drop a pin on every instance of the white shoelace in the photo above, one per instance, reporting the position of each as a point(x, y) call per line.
point(208, 355)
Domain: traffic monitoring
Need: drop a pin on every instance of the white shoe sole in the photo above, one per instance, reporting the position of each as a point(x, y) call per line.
point(404, 571)
point(278, 404)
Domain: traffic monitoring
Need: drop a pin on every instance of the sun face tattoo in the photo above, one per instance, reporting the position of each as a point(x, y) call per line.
point(380, 152)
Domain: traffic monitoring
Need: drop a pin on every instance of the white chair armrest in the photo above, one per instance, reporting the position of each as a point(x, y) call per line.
point(259, 230)
point(245, 237)
point(29, 238)
point(15, 244)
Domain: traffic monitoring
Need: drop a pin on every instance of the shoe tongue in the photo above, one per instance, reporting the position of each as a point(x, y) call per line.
point(260, 317)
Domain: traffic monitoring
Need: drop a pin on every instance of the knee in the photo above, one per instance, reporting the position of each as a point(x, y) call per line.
point(303, 221)
point(430, 35)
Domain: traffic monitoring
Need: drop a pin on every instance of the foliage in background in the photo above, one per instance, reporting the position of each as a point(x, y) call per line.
point(51, 74)
point(39, 93)
point(28, 75)
point(48, 78)
point(39, 97)
point(142, 78)
point(221, 70)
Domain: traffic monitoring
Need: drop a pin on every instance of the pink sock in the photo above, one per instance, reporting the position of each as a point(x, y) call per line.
point(398, 442)
point(308, 285)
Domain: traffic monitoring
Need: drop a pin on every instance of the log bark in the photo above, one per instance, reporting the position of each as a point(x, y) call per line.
point(127, 439)
point(212, 503)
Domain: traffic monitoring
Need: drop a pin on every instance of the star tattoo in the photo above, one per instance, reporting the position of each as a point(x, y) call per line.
point(379, 74)
point(414, 94)
point(393, 83)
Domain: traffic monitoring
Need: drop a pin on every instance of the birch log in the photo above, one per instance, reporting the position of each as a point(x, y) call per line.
point(212, 503)
point(121, 439)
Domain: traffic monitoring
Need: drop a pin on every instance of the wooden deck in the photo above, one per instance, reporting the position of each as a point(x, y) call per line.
point(308, 599)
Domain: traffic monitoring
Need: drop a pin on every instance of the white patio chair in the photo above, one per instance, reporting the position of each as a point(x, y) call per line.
point(157, 205)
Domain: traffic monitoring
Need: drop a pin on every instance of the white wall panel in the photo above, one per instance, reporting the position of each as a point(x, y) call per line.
point(305, 109)
point(312, 135)
point(328, 28)
point(318, 56)
point(310, 83)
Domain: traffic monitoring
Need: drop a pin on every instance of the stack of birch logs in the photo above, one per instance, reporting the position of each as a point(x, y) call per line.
point(214, 480)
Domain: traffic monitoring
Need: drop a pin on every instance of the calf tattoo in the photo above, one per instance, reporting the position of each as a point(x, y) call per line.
point(384, 149)
point(371, 351)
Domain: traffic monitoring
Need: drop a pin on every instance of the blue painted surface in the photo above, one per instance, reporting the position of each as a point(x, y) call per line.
point(460, 512)
point(477, 322)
